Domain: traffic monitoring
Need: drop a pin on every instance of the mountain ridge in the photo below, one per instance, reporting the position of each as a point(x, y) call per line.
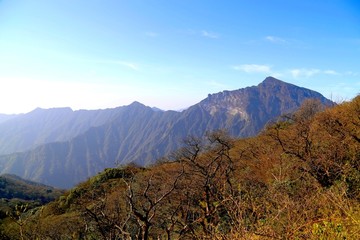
point(139, 134)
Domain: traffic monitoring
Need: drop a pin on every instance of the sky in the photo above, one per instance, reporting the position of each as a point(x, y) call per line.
point(92, 54)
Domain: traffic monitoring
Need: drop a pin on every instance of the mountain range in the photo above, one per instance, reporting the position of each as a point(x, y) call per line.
point(61, 147)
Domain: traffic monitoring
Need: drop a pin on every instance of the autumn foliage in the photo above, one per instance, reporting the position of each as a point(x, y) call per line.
point(298, 179)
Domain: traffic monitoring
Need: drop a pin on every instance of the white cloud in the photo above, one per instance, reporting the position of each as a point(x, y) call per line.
point(253, 68)
point(209, 34)
point(274, 39)
point(202, 33)
point(331, 72)
point(130, 65)
point(303, 72)
point(351, 73)
point(295, 72)
point(277, 74)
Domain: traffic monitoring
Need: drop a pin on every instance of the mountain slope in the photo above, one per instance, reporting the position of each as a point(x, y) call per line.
point(141, 135)
point(5, 117)
point(12, 186)
point(41, 126)
point(249, 188)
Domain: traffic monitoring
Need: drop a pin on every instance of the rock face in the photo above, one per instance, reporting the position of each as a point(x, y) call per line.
point(61, 147)
point(255, 106)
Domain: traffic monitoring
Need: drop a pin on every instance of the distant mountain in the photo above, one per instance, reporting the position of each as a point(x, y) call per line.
point(40, 126)
point(5, 117)
point(67, 147)
point(157, 109)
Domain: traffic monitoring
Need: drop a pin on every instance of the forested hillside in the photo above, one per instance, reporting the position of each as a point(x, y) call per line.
point(298, 179)
point(16, 192)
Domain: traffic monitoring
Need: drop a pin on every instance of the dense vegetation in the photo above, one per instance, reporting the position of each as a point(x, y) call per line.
point(12, 186)
point(298, 179)
point(16, 192)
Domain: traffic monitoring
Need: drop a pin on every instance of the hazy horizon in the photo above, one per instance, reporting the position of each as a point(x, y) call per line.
point(171, 54)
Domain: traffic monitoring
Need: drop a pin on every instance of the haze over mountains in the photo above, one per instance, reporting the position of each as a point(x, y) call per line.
point(61, 147)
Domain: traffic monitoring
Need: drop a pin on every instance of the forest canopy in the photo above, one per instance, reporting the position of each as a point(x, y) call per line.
point(298, 179)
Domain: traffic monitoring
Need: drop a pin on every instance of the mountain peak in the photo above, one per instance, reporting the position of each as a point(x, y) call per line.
point(270, 81)
point(270, 95)
point(58, 109)
point(136, 104)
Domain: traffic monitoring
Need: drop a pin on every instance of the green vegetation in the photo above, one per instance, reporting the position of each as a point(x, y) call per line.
point(12, 187)
point(19, 199)
point(298, 179)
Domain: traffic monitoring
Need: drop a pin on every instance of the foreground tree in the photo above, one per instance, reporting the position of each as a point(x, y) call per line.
point(146, 199)
point(207, 184)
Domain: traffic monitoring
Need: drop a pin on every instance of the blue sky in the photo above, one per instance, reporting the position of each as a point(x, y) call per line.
point(170, 54)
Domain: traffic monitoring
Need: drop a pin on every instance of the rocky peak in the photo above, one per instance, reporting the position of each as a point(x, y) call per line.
point(269, 93)
point(230, 102)
point(271, 82)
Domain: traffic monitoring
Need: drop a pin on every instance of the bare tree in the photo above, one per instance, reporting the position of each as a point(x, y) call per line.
point(145, 197)
point(208, 183)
